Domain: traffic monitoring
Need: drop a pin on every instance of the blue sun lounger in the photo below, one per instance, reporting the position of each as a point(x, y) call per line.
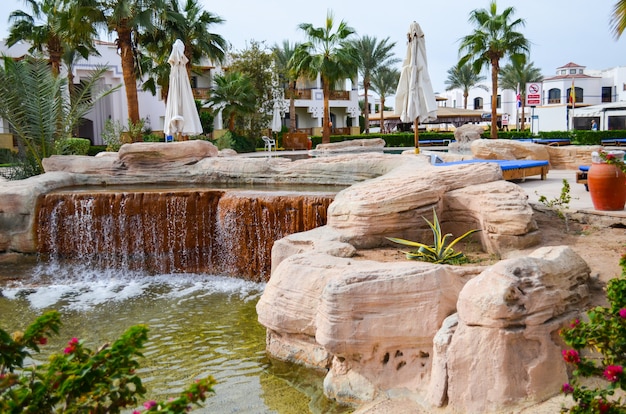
point(614, 141)
point(511, 169)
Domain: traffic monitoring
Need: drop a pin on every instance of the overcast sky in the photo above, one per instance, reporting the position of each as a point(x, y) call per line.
point(560, 31)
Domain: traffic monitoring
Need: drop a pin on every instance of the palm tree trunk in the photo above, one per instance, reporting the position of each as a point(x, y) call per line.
point(382, 114)
point(366, 109)
point(494, 99)
point(326, 115)
point(128, 71)
point(292, 107)
point(465, 95)
point(523, 111)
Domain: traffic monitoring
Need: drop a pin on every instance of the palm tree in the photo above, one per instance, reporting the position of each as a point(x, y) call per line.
point(384, 82)
point(515, 76)
point(329, 54)
point(127, 18)
point(464, 78)
point(494, 38)
point(283, 59)
point(190, 25)
point(372, 55)
point(618, 19)
point(52, 27)
point(234, 94)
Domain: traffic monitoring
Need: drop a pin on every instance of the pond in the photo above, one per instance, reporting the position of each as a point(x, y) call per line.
point(199, 325)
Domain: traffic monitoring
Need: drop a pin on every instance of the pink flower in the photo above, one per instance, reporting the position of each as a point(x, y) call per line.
point(71, 346)
point(136, 412)
point(567, 388)
point(622, 313)
point(575, 323)
point(571, 356)
point(42, 341)
point(149, 404)
point(613, 372)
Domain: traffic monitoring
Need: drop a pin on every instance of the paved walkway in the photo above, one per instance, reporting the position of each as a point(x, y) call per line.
point(551, 188)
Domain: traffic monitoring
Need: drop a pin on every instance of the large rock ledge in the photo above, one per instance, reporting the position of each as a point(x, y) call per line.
point(455, 338)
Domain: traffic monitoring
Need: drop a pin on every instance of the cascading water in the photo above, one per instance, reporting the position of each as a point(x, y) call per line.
point(227, 232)
point(159, 257)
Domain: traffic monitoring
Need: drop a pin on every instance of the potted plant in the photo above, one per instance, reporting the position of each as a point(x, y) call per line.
point(607, 180)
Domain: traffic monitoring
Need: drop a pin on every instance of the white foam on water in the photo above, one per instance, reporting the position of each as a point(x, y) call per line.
point(82, 288)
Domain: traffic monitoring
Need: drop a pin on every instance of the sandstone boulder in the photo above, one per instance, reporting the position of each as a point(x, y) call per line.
point(508, 149)
point(506, 347)
point(158, 156)
point(571, 157)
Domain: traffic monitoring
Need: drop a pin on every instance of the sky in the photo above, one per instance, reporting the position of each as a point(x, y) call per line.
point(560, 32)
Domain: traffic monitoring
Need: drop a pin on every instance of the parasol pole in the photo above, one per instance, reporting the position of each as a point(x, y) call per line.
point(417, 136)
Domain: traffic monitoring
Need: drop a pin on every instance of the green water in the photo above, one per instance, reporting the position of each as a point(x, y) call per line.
point(199, 325)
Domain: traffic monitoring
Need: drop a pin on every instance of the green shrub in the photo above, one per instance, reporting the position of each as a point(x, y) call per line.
point(96, 149)
point(599, 351)
point(80, 380)
point(153, 138)
point(72, 146)
point(225, 141)
point(6, 156)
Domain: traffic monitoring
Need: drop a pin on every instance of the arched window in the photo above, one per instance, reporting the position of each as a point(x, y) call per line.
point(478, 103)
point(578, 93)
point(554, 96)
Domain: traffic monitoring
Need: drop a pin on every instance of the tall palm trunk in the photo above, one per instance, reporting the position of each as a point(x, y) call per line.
point(495, 67)
point(124, 44)
point(292, 106)
point(465, 95)
point(382, 114)
point(326, 116)
point(366, 109)
point(55, 52)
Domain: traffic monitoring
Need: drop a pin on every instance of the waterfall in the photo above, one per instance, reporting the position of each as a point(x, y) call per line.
point(229, 232)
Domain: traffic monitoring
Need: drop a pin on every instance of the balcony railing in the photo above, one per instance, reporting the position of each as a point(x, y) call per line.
point(340, 95)
point(201, 93)
point(554, 100)
point(298, 94)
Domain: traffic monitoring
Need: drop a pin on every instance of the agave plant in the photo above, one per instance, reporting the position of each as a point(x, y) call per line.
point(441, 251)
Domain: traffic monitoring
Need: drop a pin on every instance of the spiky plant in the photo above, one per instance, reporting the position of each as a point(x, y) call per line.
point(36, 106)
point(441, 251)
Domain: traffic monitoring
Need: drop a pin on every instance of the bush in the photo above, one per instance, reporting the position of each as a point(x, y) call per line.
point(599, 351)
point(80, 380)
point(153, 138)
point(96, 149)
point(225, 141)
point(72, 146)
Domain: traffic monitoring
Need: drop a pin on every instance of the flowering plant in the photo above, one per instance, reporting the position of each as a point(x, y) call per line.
point(603, 336)
point(81, 380)
point(611, 158)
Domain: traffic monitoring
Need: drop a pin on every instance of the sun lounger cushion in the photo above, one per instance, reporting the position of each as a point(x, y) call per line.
point(511, 169)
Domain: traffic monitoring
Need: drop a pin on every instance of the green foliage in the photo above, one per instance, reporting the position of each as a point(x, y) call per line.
point(560, 203)
point(206, 120)
point(153, 138)
point(37, 109)
point(441, 251)
point(112, 135)
point(225, 141)
point(80, 380)
point(96, 149)
point(72, 146)
point(604, 336)
point(6, 156)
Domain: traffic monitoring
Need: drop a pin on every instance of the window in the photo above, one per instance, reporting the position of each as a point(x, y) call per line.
point(478, 103)
point(606, 94)
point(554, 96)
point(578, 92)
point(194, 82)
point(572, 71)
point(498, 101)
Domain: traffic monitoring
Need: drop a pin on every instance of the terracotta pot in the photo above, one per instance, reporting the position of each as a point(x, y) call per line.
point(607, 186)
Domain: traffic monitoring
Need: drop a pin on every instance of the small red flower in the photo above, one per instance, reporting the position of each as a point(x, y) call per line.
point(604, 406)
point(42, 341)
point(149, 404)
point(622, 313)
point(575, 323)
point(613, 372)
point(571, 356)
point(567, 388)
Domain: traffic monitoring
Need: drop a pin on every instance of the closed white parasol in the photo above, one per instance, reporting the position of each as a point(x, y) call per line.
point(415, 99)
point(181, 114)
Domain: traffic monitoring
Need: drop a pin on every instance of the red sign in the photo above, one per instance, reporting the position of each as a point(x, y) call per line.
point(533, 94)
